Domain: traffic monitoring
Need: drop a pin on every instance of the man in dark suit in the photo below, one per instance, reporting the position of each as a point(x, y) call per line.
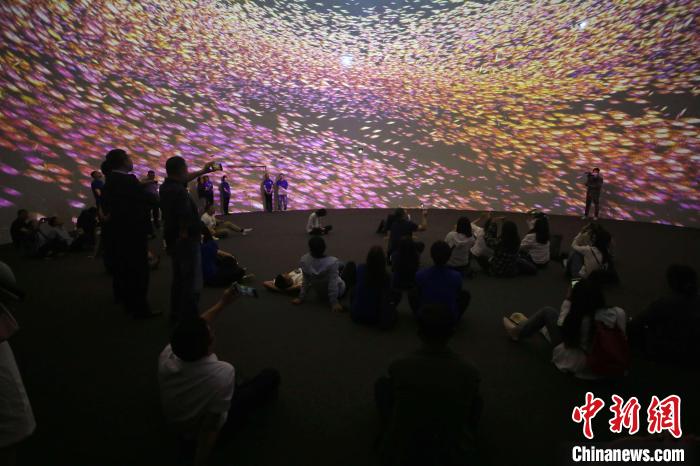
point(127, 207)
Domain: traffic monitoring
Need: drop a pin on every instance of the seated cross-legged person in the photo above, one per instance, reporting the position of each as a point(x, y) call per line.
point(506, 262)
point(313, 224)
point(405, 262)
point(429, 403)
point(219, 268)
point(571, 329)
point(461, 240)
point(200, 395)
point(372, 301)
point(321, 272)
point(440, 284)
point(219, 227)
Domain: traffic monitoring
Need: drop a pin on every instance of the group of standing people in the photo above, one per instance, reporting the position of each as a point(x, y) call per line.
point(274, 193)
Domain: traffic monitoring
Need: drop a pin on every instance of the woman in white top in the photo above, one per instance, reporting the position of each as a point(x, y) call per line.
point(461, 240)
point(571, 329)
point(592, 255)
point(536, 242)
point(480, 248)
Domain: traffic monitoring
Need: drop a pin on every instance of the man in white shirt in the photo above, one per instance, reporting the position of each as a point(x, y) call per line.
point(313, 225)
point(199, 393)
point(321, 272)
point(219, 228)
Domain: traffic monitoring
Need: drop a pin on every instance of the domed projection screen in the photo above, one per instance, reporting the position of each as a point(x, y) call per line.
point(455, 104)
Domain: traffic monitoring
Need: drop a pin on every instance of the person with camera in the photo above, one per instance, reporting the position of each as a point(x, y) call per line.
point(182, 235)
point(201, 396)
point(594, 185)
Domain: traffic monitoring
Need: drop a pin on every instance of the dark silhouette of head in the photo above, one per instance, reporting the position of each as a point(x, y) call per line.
point(440, 252)
point(317, 247)
point(192, 339)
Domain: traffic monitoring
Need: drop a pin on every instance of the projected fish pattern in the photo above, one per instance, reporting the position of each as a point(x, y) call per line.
point(501, 105)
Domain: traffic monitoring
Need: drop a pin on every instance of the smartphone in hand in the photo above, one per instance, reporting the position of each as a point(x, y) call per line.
point(244, 290)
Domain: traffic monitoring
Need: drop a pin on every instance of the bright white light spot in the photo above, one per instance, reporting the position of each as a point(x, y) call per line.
point(583, 24)
point(346, 60)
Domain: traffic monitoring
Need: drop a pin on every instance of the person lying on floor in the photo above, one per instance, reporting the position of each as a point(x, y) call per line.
point(201, 396)
point(220, 228)
point(289, 282)
point(321, 272)
point(219, 268)
point(571, 330)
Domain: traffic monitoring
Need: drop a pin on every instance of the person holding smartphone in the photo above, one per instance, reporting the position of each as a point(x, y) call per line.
point(201, 396)
point(182, 235)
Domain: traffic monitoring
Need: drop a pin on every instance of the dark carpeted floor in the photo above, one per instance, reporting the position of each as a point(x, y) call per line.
point(91, 372)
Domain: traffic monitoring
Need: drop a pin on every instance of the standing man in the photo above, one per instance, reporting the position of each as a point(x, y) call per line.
point(282, 187)
point(594, 184)
point(150, 185)
point(224, 194)
point(128, 206)
point(266, 188)
point(97, 185)
point(182, 233)
point(208, 192)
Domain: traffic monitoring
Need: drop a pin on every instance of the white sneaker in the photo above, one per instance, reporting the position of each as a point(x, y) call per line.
point(216, 238)
point(246, 231)
point(595, 218)
point(584, 217)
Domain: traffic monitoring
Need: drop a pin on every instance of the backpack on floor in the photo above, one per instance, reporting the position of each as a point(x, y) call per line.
point(610, 352)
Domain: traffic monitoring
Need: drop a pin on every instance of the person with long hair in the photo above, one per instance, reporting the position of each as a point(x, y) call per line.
point(405, 262)
point(535, 244)
point(571, 329)
point(371, 300)
point(590, 251)
point(461, 241)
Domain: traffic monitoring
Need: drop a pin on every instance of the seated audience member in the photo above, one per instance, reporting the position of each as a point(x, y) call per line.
point(86, 226)
point(572, 329)
point(481, 251)
point(405, 262)
point(403, 228)
point(440, 284)
point(218, 227)
point(199, 393)
point(23, 231)
point(52, 238)
point(372, 301)
point(505, 261)
point(430, 403)
point(313, 225)
point(289, 282)
point(535, 244)
point(461, 240)
point(590, 252)
point(321, 272)
point(16, 416)
point(669, 330)
point(219, 268)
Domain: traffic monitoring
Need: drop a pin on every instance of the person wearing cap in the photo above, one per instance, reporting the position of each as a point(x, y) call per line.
point(429, 401)
point(16, 415)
